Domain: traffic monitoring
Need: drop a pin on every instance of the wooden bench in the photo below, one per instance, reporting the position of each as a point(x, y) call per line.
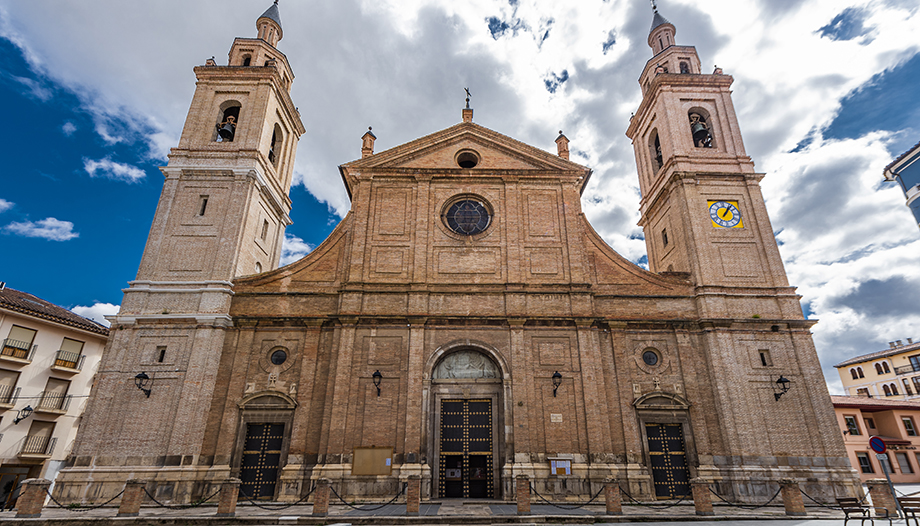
point(911, 507)
point(853, 508)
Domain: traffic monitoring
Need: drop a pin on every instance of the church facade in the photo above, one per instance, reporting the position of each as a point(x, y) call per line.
point(464, 322)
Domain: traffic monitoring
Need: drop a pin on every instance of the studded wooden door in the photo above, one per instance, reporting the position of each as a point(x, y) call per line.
point(668, 459)
point(261, 459)
point(465, 466)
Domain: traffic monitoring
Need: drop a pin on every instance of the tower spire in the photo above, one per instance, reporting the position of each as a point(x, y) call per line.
point(269, 25)
point(661, 35)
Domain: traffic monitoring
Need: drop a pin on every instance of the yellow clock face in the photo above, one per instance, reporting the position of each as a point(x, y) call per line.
point(725, 214)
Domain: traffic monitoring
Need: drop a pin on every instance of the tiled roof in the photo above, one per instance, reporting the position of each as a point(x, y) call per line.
point(873, 403)
point(657, 21)
point(901, 157)
point(272, 13)
point(25, 303)
point(880, 354)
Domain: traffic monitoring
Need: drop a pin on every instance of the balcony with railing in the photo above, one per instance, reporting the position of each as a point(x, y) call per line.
point(37, 446)
point(907, 369)
point(8, 395)
point(54, 403)
point(68, 362)
point(17, 351)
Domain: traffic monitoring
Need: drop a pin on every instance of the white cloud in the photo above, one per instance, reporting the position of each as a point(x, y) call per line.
point(5, 205)
point(36, 89)
point(97, 312)
point(293, 248)
point(404, 66)
point(49, 228)
point(113, 170)
point(69, 128)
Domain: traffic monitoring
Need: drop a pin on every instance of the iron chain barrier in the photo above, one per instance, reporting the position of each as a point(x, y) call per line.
point(362, 508)
point(564, 507)
point(78, 508)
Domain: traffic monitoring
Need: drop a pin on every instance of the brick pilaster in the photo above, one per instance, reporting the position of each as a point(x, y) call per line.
point(612, 496)
point(321, 498)
point(881, 496)
point(702, 499)
point(522, 494)
point(132, 497)
point(413, 495)
point(32, 498)
point(792, 497)
point(229, 493)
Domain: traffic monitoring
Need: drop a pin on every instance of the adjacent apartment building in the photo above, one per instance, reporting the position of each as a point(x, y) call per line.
point(891, 373)
point(895, 422)
point(47, 361)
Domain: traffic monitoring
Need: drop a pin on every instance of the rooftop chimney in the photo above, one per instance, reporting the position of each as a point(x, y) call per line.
point(892, 345)
point(562, 146)
point(909, 340)
point(899, 343)
point(2, 285)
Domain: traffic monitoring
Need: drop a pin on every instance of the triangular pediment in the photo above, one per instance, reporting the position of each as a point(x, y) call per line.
point(439, 150)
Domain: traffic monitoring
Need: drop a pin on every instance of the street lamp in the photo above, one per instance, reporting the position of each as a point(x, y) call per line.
point(24, 413)
point(141, 381)
point(377, 378)
point(781, 387)
point(557, 381)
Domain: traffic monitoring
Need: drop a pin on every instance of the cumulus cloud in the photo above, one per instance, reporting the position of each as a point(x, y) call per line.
point(69, 128)
point(5, 205)
point(405, 65)
point(293, 248)
point(49, 228)
point(35, 88)
point(97, 312)
point(110, 169)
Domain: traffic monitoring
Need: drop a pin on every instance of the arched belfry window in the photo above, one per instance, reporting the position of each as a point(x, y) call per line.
point(853, 374)
point(247, 60)
point(860, 372)
point(700, 129)
point(878, 369)
point(684, 68)
point(467, 364)
point(274, 149)
point(654, 147)
point(228, 121)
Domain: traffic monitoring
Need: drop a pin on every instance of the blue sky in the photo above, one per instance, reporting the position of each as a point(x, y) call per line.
point(825, 93)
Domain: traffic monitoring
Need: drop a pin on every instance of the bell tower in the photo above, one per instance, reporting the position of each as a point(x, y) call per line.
point(221, 214)
point(702, 209)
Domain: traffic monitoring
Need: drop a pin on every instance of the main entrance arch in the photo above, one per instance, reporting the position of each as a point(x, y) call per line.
point(466, 387)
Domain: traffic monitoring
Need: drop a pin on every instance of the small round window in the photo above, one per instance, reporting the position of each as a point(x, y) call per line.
point(650, 357)
point(279, 357)
point(467, 159)
point(468, 217)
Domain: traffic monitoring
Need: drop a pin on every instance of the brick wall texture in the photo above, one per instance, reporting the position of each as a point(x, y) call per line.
point(692, 347)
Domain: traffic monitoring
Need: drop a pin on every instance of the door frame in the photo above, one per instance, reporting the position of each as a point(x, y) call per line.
point(666, 408)
point(264, 407)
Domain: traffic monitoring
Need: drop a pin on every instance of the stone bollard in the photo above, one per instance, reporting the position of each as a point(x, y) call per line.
point(229, 494)
point(702, 500)
point(32, 498)
point(881, 496)
point(522, 494)
point(413, 495)
point(792, 497)
point(131, 499)
point(321, 498)
point(612, 496)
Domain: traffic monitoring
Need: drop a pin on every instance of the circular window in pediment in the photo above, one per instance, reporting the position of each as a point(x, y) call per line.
point(467, 216)
point(467, 159)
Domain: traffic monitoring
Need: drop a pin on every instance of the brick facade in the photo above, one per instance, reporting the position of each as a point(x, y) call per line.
point(396, 289)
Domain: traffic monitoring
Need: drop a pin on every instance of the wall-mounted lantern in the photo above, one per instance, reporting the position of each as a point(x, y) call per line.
point(24, 413)
point(377, 378)
point(780, 388)
point(557, 381)
point(141, 381)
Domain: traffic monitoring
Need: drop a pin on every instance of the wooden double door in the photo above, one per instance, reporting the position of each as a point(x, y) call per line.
point(261, 460)
point(668, 455)
point(466, 449)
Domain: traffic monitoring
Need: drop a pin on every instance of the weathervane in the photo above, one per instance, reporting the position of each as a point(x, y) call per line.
point(654, 7)
point(467, 90)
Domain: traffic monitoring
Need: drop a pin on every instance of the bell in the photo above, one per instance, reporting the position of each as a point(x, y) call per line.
point(226, 131)
point(700, 133)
